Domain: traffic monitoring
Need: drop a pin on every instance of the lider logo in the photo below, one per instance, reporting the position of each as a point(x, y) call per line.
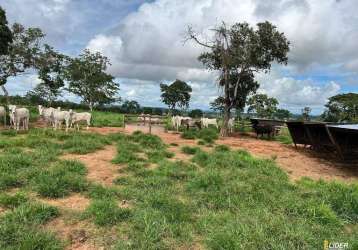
point(334, 245)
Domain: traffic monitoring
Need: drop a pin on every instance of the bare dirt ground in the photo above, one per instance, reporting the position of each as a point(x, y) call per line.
point(297, 163)
point(74, 202)
point(99, 165)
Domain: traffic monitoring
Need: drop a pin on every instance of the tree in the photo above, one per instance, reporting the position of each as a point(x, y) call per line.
point(282, 114)
point(176, 94)
point(237, 53)
point(44, 94)
point(130, 107)
point(51, 67)
point(22, 53)
point(306, 113)
point(342, 107)
point(196, 113)
point(218, 105)
point(5, 33)
point(87, 79)
point(262, 105)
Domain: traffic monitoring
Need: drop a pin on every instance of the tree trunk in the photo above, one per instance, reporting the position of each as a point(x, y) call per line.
point(224, 132)
point(6, 94)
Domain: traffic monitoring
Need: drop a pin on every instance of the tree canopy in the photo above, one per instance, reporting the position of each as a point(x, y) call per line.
point(5, 33)
point(196, 113)
point(238, 52)
point(342, 107)
point(282, 114)
point(131, 107)
point(262, 105)
point(176, 94)
point(22, 53)
point(87, 78)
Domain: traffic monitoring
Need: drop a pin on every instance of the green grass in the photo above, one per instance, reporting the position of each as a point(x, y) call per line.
point(190, 150)
point(106, 119)
point(206, 135)
point(224, 199)
point(106, 212)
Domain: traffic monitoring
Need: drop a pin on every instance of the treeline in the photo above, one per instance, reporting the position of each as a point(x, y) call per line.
point(127, 107)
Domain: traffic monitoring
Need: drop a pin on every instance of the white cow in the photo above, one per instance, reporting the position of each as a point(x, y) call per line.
point(3, 114)
point(206, 122)
point(142, 118)
point(76, 118)
point(12, 121)
point(62, 116)
point(20, 115)
point(47, 114)
point(177, 120)
point(231, 125)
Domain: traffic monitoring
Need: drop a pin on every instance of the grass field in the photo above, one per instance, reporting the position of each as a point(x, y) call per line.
point(219, 200)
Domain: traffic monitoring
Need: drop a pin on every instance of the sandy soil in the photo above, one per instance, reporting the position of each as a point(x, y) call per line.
point(74, 202)
point(296, 162)
point(99, 166)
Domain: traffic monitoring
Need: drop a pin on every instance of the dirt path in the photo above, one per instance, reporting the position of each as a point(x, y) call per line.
point(99, 165)
point(296, 162)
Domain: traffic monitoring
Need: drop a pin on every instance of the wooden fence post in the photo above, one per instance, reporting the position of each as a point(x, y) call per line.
point(150, 124)
point(124, 121)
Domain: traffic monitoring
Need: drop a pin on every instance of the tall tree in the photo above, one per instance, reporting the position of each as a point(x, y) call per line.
point(241, 51)
point(5, 33)
point(87, 79)
point(51, 67)
point(342, 107)
point(262, 105)
point(306, 113)
point(176, 94)
point(22, 53)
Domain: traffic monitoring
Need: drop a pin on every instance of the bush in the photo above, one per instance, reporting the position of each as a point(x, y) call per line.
point(188, 134)
point(12, 201)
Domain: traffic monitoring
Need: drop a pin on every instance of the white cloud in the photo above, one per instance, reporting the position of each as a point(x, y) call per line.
point(296, 94)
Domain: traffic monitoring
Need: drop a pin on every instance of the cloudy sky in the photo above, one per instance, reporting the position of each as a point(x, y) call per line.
point(144, 40)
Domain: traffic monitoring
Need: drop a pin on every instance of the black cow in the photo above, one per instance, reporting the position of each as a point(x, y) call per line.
point(262, 129)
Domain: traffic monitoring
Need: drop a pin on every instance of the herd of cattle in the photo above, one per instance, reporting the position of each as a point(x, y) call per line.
point(55, 117)
point(187, 122)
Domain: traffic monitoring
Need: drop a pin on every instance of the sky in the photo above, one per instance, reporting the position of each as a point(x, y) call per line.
point(145, 42)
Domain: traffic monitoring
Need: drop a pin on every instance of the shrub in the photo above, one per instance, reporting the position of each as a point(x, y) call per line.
point(188, 134)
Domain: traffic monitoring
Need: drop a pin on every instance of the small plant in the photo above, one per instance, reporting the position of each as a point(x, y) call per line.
point(188, 134)
point(190, 150)
point(12, 201)
point(201, 143)
point(106, 212)
point(222, 148)
point(174, 144)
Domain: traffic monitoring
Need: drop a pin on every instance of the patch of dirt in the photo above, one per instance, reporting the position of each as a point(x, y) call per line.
point(76, 233)
point(106, 130)
point(99, 165)
point(74, 202)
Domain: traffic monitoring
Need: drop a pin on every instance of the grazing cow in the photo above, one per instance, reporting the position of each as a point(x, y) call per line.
point(262, 129)
point(76, 118)
point(20, 115)
point(155, 120)
point(206, 122)
point(62, 116)
point(3, 114)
